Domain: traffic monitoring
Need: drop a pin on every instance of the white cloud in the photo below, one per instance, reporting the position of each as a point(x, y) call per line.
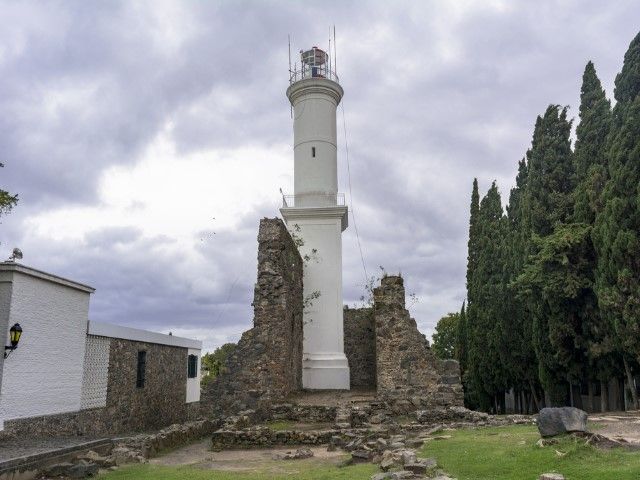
point(174, 195)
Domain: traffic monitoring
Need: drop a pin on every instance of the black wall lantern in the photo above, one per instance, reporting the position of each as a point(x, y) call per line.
point(15, 333)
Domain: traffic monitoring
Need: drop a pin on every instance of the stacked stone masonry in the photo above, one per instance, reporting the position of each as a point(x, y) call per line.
point(406, 366)
point(267, 363)
point(360, 346)
point(383, 345)
point(386, 351)
point(127, 408)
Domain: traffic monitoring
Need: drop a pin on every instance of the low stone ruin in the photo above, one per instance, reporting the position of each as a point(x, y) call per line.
point(369, 433)
point(134, 449)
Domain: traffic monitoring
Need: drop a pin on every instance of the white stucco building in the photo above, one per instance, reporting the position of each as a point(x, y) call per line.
point(317, 215)
point(63, 362)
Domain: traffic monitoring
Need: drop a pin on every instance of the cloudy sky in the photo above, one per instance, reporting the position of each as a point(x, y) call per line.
point(147, 139)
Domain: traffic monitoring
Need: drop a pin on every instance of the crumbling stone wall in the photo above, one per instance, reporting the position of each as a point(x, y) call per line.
point(267, 364)
point(360, 346)
point(406, 366)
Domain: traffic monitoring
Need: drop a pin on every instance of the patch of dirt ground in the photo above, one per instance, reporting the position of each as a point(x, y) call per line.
point(617, 425)
point(199, 455)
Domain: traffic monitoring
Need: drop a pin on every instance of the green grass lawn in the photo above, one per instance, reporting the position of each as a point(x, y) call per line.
point(501, 453)
point(511, 453)
point(309, 469)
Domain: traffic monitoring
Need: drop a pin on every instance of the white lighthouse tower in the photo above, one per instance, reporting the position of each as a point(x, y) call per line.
point(316, 213)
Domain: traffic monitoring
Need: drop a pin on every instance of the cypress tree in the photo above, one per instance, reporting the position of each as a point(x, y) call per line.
point(591, 174)
point(468, 381)
point(519, 357)
point(485, 372)
point(617, 227)
point(461, 340)
point(472, 245)
point(560, 279)
point(551, 176)
point(548, 204)
point(589, 154)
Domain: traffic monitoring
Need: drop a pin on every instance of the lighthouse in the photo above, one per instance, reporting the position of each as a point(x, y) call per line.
point(316, 215)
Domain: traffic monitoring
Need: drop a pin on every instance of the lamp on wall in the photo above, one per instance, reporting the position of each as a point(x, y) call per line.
point(15, 333)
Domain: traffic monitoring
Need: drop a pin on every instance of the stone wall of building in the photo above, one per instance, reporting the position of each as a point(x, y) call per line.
point(161, 402)
point(406, 366)
point(267, 363)
point(360, 346)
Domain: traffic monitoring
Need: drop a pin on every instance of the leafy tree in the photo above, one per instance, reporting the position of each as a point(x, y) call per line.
point(617, 226)
point(444, 338)
point(7, 200)
point(213, 363)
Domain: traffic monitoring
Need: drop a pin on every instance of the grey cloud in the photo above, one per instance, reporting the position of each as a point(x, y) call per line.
point(87, 86)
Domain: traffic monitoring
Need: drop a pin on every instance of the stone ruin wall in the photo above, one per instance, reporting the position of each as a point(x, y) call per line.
point(406, 366)
point(384, 341)
point(267, 363)
point(383, 345)
point(360, 346)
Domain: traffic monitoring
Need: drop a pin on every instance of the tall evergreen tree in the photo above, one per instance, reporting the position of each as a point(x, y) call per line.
point(548, 204)
point(617, 227)
point(551, 177)
point(486, 373)
point(461, 340)
point(519, 358)
point(472, 245)
point(591, 174)
point(471, 396)
point(558, 280)
point(590, 150)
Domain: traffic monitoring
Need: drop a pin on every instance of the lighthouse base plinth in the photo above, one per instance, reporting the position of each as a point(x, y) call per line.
point(326, 371)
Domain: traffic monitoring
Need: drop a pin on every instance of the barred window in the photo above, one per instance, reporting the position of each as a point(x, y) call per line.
point(192, 366)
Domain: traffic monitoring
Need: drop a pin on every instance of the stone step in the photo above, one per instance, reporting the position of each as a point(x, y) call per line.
point(343, 417)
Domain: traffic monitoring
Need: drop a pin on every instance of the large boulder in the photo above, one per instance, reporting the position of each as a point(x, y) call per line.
point(556, 421)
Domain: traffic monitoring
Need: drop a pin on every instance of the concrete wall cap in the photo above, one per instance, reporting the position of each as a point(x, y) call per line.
point(17, 267)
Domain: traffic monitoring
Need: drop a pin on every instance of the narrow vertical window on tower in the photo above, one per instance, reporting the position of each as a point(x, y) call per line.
point(313, 152)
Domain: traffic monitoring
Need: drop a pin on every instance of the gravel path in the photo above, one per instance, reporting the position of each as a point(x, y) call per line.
point(618, 425)
point(257, 459)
